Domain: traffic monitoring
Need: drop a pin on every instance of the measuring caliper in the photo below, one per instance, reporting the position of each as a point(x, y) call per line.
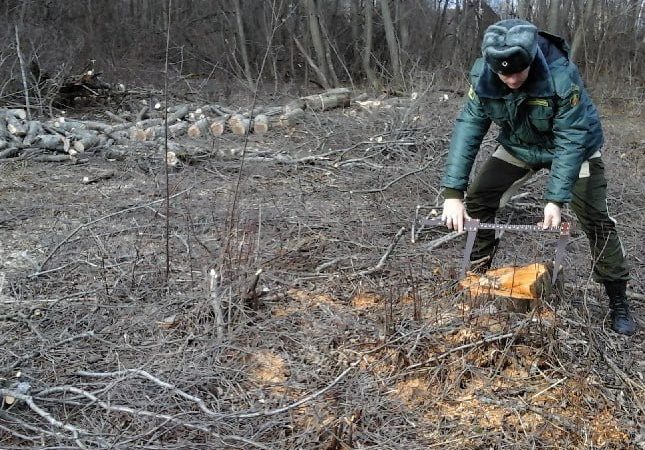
point(472, 225)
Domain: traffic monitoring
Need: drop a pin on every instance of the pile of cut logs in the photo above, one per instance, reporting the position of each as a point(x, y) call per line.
point(67, 138)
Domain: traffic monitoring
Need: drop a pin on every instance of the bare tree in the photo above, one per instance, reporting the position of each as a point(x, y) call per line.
point(584, 12)
point(225, 38)
point(328, 39)
point(355, 22)
point(241, 37)
point(317, 41)
point(367, 51)
point(524, 9)
point(392, 42)
point(553, 21)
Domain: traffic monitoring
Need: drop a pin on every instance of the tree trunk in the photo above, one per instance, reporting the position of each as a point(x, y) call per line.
point(218, 126)
point(367, 52)
point(356, 35)
point(328, 100)
point(241, 36)
point(291, 117)
point(328, 42)
point(52, 142)
point(553, 21)
point(524, 9)
point(319, 71)
point(403, 13)
point(23, 71)
point(316, 38)
point(239, 124)
point(392, 43)
point(34, 128)
point(15, 126)
point(584, 16)
point(199, 129)
point(260, 124)
point(86, 143)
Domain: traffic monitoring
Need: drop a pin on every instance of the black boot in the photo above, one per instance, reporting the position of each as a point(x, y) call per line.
point(621, 318)
point(481, 261)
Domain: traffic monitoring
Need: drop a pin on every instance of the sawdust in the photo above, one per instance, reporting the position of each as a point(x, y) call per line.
point(606, 430)
point(366, 300)
point(413, 391)
point(269, 368)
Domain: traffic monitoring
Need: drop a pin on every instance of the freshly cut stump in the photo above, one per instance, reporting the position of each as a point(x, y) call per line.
point(520, 287)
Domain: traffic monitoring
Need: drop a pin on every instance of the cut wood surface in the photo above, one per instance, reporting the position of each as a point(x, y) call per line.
point(239, 124)
point(218, 126)
point(138, 134)
point(292, 117)
point(261, 124)
point(16, 126)
point(85, 143)
point(199, 129)
point(529, 282)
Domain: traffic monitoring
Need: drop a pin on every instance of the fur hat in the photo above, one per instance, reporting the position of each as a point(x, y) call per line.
point(510, 45)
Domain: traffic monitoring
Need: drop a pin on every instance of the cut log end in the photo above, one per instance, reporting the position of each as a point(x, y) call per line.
point(137, 134)
point(529, 282)
point(218, 126)
point(239, 124)
point(198, 129)
point(261, 124)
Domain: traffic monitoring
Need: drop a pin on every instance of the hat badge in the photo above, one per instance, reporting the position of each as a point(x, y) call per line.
point(504, 63)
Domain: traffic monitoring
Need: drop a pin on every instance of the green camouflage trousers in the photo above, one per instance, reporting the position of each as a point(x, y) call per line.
point(502, 172)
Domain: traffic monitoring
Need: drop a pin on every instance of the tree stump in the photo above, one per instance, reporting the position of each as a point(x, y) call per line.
point(519, 288)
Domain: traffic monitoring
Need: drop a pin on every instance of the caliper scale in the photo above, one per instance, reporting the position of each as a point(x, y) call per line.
point(471, 226)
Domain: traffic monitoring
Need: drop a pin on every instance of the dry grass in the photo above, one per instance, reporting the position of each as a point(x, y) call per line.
point(339, 354)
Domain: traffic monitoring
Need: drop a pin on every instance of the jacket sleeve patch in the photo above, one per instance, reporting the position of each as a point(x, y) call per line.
point(575, 96)
point(471, 93)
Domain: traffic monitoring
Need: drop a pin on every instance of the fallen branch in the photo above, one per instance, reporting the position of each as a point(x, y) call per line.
point(386, 255)
point(32, 355)
point(422, 365)
point(394, 181)
point(216, 301)
point(29, 401)
point(92, 222)
point(143, 374)
point(303, 400)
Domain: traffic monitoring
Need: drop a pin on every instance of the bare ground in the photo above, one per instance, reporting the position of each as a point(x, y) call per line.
point(356, 337)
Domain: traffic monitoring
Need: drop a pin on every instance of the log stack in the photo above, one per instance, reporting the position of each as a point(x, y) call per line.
point(69, 137)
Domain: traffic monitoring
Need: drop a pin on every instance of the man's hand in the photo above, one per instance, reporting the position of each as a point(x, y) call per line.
point(552, 216)
point(454, 213)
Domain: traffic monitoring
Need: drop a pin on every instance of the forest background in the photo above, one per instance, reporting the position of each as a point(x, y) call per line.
point(381, 43)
